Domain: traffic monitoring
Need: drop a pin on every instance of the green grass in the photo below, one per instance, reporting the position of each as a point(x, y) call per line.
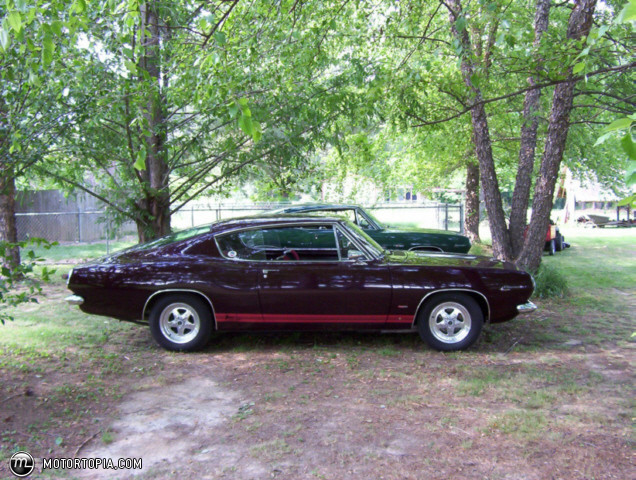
point(72, 251)
point(598, 258)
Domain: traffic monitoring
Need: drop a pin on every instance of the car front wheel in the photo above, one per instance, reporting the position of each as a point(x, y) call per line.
point(181, 322)
point(450, 321)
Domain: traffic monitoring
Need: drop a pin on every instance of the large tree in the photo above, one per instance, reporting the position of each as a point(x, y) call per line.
point(35, 37)
point(496, 54)
point(177, 99)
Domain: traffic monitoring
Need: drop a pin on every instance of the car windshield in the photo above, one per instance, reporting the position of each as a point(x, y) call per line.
point(372, 218)
point(374, 246)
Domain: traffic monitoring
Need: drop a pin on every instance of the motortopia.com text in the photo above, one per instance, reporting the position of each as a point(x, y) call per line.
point(91, 463)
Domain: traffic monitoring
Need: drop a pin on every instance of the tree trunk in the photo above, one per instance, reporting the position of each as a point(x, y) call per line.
point(482, 141)
point(157, 201)
point(521, 196)
point(578, 26)
point(8, 230)
point(471, 224)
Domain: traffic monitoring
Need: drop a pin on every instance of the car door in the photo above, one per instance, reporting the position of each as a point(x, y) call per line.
point(313, 284)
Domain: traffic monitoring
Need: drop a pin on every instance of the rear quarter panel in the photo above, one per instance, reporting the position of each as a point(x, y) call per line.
point(121, 291)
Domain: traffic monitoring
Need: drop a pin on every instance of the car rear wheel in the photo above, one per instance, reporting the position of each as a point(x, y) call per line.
point(552, 247)
point(559, 242)
point(450, 321)
point(181, 322)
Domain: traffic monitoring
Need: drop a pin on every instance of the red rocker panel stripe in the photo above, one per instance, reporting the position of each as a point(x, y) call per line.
point(291, 318)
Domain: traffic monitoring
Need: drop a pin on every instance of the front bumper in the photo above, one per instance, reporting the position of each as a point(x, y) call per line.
point(74, 300)
point(528, 307)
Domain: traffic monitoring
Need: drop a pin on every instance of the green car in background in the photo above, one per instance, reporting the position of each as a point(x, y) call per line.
point(391, 238)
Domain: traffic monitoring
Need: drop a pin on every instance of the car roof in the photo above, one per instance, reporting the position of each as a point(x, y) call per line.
point(316, 206)
point(270, 219)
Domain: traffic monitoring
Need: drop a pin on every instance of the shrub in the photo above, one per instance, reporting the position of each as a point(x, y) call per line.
point(550, 282)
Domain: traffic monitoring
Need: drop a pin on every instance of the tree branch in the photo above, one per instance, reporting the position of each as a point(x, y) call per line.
point(619, 68)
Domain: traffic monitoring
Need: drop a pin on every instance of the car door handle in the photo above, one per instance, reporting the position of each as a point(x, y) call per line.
point(267, 270)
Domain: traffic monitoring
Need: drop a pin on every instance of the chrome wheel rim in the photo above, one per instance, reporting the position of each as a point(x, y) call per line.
point(450, 322)
point(179, 323)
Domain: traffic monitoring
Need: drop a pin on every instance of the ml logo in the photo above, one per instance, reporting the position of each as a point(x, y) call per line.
point(21, 464)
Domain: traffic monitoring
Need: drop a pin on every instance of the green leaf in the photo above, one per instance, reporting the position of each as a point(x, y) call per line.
point(619, 124)
point(48, 46)
point(246, 124)
point(628, 146)
point(630, 177)
point(474, 79)
point(56, 27)
point(257, 133)
point(80, 6)
point(140, 163)
point(461, 24)
point(14, 19)
point(131, 66)
point(220, 38)
point(5, 39)
point(631, 201)
point(233, 109)
point(579, 67)
point(602, 138)
point(628, 14)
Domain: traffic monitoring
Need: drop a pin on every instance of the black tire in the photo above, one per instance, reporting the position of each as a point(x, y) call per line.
point(558, 245)
point(552, 247)
point(460, 309)
point(194, 331)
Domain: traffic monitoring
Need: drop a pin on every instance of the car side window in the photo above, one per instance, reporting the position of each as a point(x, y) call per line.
point(348, 214)
point(291, 243)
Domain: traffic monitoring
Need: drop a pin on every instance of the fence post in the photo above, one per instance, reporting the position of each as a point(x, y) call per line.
point(446, 216)
point(461, 218)
point(107, 234)
point(79, 223)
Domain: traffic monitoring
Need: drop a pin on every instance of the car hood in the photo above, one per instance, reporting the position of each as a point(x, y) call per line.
point(434, 259)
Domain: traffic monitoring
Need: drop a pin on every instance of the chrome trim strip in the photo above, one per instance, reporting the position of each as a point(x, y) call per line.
point(528, 307)
point(70, 274)
point(143, 313)
point(74, 300)
point(425, 248)
point(417, 311)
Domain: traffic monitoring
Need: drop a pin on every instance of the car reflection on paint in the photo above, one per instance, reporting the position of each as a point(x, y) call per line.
point(290, 273)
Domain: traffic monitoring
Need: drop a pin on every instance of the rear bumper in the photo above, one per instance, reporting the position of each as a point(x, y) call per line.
point(528, 307)
point(74, 300)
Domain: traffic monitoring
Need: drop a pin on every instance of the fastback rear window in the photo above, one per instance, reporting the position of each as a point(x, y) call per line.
point(173, 238)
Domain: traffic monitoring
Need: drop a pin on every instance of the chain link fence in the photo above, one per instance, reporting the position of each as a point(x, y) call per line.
point(97, 226)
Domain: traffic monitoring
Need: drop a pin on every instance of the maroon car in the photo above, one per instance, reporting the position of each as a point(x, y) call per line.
point(275, 273)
